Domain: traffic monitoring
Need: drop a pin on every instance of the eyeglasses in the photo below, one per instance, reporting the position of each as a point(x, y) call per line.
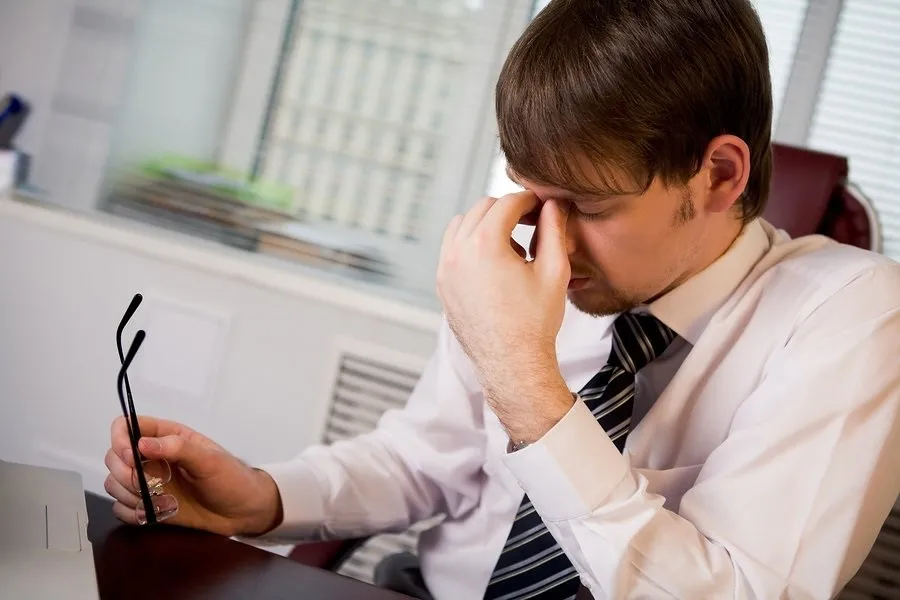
point(148, 476)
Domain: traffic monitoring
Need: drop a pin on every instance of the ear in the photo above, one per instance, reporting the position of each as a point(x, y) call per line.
point(727, 165)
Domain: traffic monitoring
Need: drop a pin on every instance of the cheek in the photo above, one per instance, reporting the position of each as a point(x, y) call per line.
point(614, 247)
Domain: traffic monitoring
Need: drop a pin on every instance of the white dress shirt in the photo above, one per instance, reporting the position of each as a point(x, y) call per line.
point(764, 461)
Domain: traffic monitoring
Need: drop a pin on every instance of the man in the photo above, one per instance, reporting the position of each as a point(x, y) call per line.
point(733, 431)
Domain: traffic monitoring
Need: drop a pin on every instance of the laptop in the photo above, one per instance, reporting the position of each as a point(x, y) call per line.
point(44, 548)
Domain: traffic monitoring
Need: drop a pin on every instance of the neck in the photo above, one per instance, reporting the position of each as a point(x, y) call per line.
point(718, 245)
point(711, 249)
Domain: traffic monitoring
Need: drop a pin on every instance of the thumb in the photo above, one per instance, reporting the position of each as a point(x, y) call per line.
point(177, 450)
point(551, 253)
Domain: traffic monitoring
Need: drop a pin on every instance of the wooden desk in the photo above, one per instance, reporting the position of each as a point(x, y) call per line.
point(171, 563)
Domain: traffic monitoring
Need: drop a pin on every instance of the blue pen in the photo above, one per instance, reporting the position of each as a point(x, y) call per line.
point(13, 113)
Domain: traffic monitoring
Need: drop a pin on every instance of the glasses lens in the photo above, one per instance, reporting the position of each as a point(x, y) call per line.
point(165, 506)
point(157, 474)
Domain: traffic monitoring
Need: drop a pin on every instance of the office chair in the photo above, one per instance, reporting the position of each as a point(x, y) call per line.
point(810, 193)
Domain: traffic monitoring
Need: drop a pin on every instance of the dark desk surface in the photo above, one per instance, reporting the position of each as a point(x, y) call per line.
point(170, 563)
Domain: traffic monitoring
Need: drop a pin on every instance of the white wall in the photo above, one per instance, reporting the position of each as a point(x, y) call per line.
point(118, 81)
point(33, 35)
point(181, 80)
point(64, 283)
point(256, 71)
point(69, 58)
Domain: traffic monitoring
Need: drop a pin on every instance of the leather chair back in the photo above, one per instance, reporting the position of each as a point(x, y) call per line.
point(810, 194)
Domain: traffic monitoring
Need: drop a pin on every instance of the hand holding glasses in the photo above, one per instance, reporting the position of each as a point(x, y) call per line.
point(149, 477)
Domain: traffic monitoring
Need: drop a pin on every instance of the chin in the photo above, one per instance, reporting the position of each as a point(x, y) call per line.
point(599, 303)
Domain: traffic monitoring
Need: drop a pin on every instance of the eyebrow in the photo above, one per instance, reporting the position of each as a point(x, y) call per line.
point(598, 197)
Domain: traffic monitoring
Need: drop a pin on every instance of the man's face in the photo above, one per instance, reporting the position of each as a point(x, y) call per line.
point(627, 250)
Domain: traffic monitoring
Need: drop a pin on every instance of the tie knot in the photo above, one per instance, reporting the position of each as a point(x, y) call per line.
point(638, 340)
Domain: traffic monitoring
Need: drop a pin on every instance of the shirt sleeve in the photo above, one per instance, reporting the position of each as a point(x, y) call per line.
point(421, 461)
point(787, 506)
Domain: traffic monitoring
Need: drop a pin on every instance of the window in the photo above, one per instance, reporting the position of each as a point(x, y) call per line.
point(285, 125)
point(337, 132)
point(858, 114)
point(782, 21)
point(359, 119)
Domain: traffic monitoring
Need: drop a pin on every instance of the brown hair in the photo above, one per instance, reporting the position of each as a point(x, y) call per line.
point(639, 85)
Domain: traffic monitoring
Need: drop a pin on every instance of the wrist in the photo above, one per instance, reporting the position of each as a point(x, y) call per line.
point(532, 408)
point(267, 512)
point(530, 368)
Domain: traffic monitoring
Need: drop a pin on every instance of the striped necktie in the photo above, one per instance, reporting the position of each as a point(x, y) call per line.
point(532, 565)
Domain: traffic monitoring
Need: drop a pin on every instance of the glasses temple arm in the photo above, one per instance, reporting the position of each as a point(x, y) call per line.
point(149, 510)
point(135, 429)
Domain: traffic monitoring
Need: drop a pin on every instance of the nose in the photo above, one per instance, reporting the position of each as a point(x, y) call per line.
point(572, 235)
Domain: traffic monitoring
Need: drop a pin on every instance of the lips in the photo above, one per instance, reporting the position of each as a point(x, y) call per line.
point(577, 283)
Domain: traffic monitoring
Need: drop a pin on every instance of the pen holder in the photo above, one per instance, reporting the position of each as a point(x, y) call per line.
point(14, 167)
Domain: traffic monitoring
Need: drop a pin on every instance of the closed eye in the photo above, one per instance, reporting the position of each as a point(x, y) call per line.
point(594, 208)
point(589, 216)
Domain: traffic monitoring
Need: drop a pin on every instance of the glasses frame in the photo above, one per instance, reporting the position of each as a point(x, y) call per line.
point(127, 403)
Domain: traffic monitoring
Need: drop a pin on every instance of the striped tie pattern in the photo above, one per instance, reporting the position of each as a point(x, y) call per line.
point(532, 565)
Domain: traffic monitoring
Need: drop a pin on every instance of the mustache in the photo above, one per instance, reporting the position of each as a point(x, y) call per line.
point(576, 275)
point(580, 270)
point(587, 271)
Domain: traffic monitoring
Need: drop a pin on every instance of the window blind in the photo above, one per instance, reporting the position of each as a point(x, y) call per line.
point(858, 114)
point(782, 22)
point(364, 109)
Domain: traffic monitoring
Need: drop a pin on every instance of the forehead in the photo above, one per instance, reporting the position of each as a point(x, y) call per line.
point(582, 180)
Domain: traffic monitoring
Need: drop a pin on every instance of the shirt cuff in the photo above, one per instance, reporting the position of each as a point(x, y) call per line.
point(573, 469)
point(301, 502)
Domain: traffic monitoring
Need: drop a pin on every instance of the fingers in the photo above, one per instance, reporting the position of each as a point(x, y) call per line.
point(149, 426)
point(118, 469)
point(170, 448)
point(550, 255)
point(124, 514)
point(506, 213)
point(121, 443)
point(185, 452)
point(518, 248)
point(474, 216)
point(120, 493)
point(531, 218)
point(450, 234)
point(519, 207)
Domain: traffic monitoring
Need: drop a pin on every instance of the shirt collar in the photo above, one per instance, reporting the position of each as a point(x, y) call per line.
point(688, 308)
